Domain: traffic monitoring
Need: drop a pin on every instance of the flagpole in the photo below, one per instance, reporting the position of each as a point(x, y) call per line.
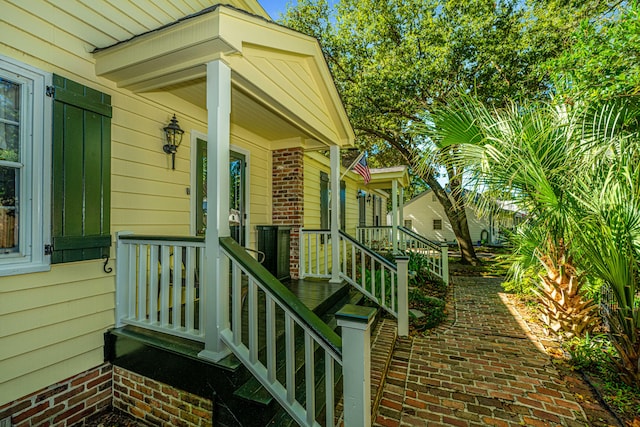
point(353, 164)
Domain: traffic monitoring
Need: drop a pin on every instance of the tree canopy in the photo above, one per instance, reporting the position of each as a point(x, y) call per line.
point(396, 61)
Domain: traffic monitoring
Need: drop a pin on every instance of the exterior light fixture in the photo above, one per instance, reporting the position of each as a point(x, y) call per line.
point(369, 199)
point(173, 133)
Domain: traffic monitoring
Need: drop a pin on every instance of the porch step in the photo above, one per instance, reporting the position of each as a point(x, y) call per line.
point(383, 338)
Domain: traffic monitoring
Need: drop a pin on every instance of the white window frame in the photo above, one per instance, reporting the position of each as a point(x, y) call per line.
point(35, 176)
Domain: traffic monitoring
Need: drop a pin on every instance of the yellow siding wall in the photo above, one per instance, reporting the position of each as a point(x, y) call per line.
point(51, 324)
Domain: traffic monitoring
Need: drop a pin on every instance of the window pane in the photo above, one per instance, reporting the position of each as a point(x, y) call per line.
point(9, 120)
point(8, 210)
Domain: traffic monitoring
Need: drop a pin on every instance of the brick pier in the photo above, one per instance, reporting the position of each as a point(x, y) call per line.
point(482, 369)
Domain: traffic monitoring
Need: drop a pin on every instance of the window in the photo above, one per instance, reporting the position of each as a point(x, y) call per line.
point(437, 224)
point(408, 224)
point(81, 172)
point(25, 135)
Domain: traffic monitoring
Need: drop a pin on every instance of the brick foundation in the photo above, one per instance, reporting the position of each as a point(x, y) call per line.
point(157, 403)
point(63, 404)
point(288, 199)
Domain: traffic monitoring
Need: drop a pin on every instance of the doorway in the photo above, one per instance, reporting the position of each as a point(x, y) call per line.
point(237, 192)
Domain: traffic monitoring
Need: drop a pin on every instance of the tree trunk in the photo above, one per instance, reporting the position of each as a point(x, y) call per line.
point(457, 216)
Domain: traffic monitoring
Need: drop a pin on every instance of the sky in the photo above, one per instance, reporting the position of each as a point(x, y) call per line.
point(275, 7)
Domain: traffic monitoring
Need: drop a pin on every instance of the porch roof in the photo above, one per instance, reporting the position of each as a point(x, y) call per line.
point(282, 89)
point(382, 178)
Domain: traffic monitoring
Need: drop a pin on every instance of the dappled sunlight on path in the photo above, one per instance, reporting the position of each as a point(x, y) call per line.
point(483, 368)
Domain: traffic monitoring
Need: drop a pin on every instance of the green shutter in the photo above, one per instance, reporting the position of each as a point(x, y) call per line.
point(324, 201)
point(81, 204)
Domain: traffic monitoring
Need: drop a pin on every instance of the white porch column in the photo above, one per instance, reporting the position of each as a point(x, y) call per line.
point(401, 217)
point(394, 216)
point(334, 152)
point(214, 283)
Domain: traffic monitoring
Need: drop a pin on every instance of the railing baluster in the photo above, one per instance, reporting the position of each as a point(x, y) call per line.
point(253, 321)
point(189, 289)
point(133, 262)
point(373, 278)
point(290, 357)
point(142, 283)
point(198, 270)
point(363, 278)
point(317, 271)
point(383, 290)
point(165, 282)
point(153, 284)
point(271, 339)
point(309, 271)
point(176, 304)
point(326, 253)
point(353, 262)
point(309, 378)
point(344, 256)
point(329, 384)
point(236, 301)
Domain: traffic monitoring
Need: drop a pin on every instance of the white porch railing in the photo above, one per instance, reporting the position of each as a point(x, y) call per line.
point(382, 281)
point(157, 284)
point(281, 341)
point(379, 238)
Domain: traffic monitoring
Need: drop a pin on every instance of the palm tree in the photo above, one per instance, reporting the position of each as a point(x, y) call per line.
point(610, 241)
point(576, 173)
point(533, 155)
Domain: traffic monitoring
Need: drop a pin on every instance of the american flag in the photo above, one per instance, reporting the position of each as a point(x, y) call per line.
point(362, 168)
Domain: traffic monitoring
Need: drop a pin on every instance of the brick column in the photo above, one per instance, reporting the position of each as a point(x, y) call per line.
point(288, 198)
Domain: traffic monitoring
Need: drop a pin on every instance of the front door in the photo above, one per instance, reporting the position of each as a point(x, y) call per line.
point(237, 193)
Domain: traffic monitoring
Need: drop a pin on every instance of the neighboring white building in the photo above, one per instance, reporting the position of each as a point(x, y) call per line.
point(425, 215)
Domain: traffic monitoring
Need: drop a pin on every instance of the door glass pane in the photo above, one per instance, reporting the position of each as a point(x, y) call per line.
point(236, 197)
point(8, 210)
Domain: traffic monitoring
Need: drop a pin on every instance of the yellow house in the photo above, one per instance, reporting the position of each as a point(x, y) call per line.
point(145, 153)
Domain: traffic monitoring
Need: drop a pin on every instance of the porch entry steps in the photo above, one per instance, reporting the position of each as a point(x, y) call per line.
point(383, 338)
point(252, 390)
point(239, 399)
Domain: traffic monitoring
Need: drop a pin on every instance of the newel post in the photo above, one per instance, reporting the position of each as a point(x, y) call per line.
point(403, 295)
point(444, 247)
point(123, 274)
point(356, 363)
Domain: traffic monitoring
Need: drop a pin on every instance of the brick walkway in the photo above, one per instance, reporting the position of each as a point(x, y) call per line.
point(481, 369)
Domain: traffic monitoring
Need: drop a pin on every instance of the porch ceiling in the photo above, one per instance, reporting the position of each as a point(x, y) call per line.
point(281, 87)
point(382, 178)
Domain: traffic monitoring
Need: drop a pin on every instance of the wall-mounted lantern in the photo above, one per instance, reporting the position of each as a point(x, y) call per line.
point(173, 134)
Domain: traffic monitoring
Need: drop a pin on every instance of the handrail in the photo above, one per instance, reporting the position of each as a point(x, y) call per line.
point(420, 238)
point(282, 293)
point(152, 238)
